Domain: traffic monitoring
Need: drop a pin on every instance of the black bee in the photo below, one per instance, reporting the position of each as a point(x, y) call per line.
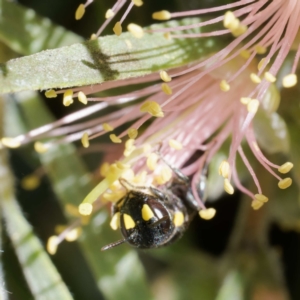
point(150, 218)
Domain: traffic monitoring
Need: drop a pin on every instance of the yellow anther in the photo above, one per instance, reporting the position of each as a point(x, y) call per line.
point(127, 152)
point(260, 197)
point(147, 213)
point(153, 108)
point(68, 98)
point(122, 166)
point(128, 222)
point(85, 209)
point(115, 221)
point(117, 29)
point(52, 244)
point(260, 49)
point(256, 204)
point(261, 63)
point(240, 30)
point(255, 78)
point(73, 234)
point(224, 86)
point(224, 169)
point(289, 80)
point(82, 97)
point(30, 182)
point(161, 15)
point(166, 89)
point(114, 196)
point(93, 37)
point(107, 127)
point(115, 139)
point(270, 77)
point(252, 106)
point(40, 147)
point(245, 53)
point(132, 133)
point(230, 21)
point(137, 2)
point(109, 13)
point(285, 183)
point(164, 176)
point(286, 167)
point(10, 142)
point(136, 30)
point(85, 140)
point(178, 218)
point(128, 174)
point(245, 100)
point(140, 178)
point(175, 144)
point(129, 144)
point(228, 187)
point(104, 168)
point(51, 94)
point(165, 76)
point(152, 161)
point(207, 214)
point(79, 12)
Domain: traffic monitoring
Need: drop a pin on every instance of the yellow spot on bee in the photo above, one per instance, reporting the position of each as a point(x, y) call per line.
point(178, 218)
point(30, 182)
point(115, 221)
point(147, 213)
point(128, 222)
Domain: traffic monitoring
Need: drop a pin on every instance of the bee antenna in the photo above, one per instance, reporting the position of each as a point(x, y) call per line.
point(114, 244)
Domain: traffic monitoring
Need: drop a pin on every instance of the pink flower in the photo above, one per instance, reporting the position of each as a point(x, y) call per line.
point(194, 107)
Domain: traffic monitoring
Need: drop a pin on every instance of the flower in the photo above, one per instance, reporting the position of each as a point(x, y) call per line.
point(192, 108)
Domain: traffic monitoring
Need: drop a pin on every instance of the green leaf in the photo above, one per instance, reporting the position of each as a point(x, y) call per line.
point(24, 31)
point(42, 277)
point(108, 58)
point(118, 272)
